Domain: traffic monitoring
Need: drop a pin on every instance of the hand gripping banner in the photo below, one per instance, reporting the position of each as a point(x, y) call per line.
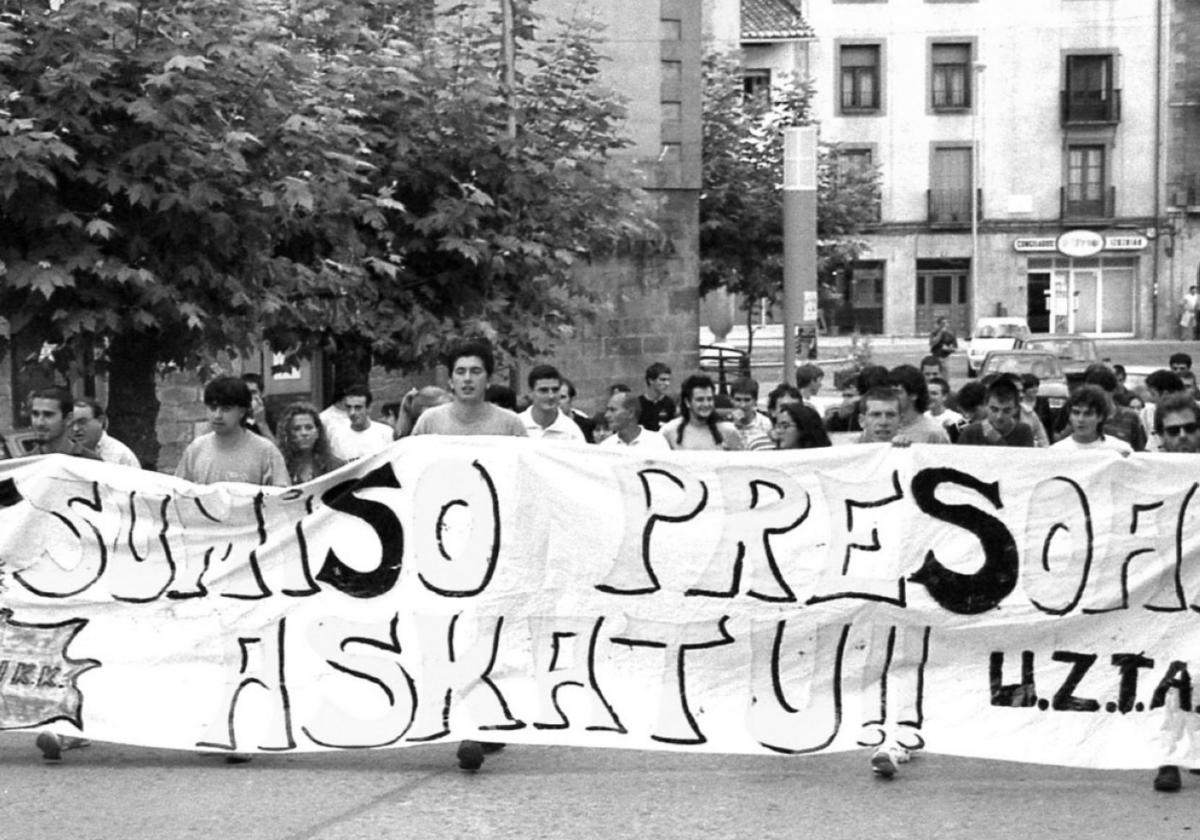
point(1010, 604)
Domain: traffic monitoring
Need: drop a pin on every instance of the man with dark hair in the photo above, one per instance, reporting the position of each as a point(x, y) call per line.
point(697, 426)
point(939, 412)
point(913, 394)
point(566, 404)
point(1177, 425)
point(1035, 409)
point(1159, 385)
point(656, 407)
point(543, 419)
point(1179, 362)
point(258, 421)
point(230, 452)
point(622, 417)
point(1088, 408)
point(844, 417)
point(971, 398)
point(1121, 423)
point(754, 428)
point(89, 425)
point(1001, 426)
point(469, 412)
point(50, 414)
point(931, 368)
point(362, 437)
point(808, 380)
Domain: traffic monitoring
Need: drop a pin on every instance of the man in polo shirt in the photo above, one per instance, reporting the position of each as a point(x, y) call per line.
point(622, 415)
point(543, 419)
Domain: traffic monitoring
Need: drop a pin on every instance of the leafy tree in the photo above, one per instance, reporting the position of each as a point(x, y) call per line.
point(189, 176)
point(741, 205)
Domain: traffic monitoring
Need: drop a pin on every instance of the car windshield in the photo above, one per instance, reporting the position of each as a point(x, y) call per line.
point(1065, 348)
point(1043, 366)
point(998, 331)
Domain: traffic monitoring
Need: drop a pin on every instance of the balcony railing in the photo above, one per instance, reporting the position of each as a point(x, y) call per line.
point(1103, 207)
point(952, 208)
point(1090, 106)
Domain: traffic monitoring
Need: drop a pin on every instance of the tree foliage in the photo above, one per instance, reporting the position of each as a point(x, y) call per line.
point(741, 206)
point(179, 177)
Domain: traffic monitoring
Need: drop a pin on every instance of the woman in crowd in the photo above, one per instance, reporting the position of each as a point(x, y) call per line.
point(304, 444)
point(798, 426)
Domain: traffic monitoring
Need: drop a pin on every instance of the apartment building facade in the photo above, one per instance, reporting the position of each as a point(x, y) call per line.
point(1021, 146)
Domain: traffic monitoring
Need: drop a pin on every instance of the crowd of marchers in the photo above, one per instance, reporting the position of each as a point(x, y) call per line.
point(903, 405)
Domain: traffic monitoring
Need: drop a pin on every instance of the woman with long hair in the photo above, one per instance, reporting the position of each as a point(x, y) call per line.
point(304, 443)
point(798, 426)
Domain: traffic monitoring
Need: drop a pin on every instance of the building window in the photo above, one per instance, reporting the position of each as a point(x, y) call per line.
point(756, 86)
point(860, 77)
point(1090, 95)
point(853, 164)
point(950, 186)
point(950, 76)
point(1086, 193)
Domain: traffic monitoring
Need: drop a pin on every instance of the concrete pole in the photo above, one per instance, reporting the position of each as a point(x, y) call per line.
point(799, 240)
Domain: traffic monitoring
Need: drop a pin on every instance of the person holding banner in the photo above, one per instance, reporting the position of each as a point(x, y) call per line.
point(621, 415)
point(1000, 426)
point(697, 427)
point(1177, 425)
point(231, 452)
point(51, 414)
point(1088, 408)
point(798, 426)
point(471, 364)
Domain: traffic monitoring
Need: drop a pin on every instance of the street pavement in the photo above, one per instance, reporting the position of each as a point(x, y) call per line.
point(129, 793)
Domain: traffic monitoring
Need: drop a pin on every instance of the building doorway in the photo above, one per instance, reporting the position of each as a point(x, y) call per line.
point(943, 290)
point(1037, 301)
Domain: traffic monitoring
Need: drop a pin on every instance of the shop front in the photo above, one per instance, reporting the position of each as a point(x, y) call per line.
point(1082, 282)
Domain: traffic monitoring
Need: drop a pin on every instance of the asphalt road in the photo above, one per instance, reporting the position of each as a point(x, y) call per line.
point(127, 793)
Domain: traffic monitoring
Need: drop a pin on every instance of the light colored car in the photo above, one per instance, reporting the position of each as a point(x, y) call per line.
point(1076, 352)
point(994, 334)
point(1045, 366)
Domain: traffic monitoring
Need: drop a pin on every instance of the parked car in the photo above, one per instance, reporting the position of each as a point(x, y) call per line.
point(1076, 352)
point(1045, 366)
point(994, 334)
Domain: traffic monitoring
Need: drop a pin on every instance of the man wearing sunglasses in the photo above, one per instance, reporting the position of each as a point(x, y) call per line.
point(1177, 424)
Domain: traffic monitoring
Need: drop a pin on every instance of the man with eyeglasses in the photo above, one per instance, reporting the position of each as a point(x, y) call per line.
point(1177, 424)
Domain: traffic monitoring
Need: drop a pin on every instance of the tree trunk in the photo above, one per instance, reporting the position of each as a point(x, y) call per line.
point(132, 395)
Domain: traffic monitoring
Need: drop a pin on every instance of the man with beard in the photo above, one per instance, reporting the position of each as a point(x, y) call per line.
point(697, 426)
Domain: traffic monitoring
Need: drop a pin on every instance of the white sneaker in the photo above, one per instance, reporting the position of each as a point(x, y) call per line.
point(886, 761)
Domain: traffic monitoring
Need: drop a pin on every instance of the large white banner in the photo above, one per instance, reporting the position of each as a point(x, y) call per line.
point(1000, 603)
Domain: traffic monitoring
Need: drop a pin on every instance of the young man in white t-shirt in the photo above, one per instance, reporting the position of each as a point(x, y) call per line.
point(362, 437)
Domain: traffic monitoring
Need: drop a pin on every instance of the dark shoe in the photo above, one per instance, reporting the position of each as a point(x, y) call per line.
point(50, 745)
point(237, 758)
point(1167, 779)
point(490, 747)
point(470, 755)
